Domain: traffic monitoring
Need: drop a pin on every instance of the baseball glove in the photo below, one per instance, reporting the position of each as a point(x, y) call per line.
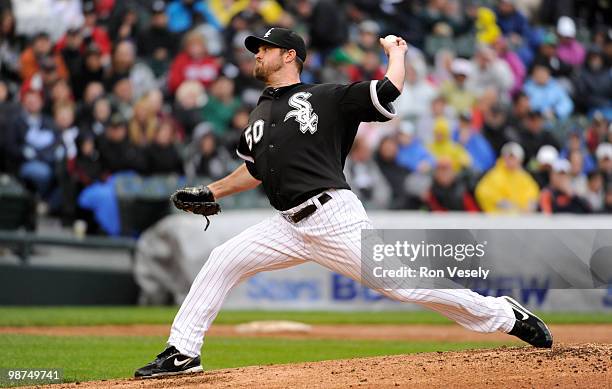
point(198, 200)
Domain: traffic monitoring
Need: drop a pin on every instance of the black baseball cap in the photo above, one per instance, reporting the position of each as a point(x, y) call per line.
point(278, 37)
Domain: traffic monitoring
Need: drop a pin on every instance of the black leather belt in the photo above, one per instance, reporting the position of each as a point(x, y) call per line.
point(308, 210)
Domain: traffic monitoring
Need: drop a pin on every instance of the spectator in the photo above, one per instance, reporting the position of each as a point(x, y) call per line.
point(546, 157)
point(547, 55)
point(439, 110)
point(480, 150)
point(49, 75)
point(604, 163)
point(412, 154)
point(205, 158)
point(520, 109)
point(560, 197)
point(117, 154)
point(92, 33)
point(443, 61)
point(448, 192)
point(64, 119)
point(185, 14)
point(7, 112)
point(569, 50)
point(60, 93)
point(190, 98)
point(162, 155)
point(514, 63)
point(143, 126)
point(594, 85)
point(512, 22)
point(32, 57)
point(365, 178)
point(575, 143)
point(157, 44)
point(515, 27)
point(367, 40)
point(507, 188)
point(534, 135)
point(193, 63)
point(497, 130)
point(597, 132)
point(369, 68)
point(125, 27)
point(71, 50)
point(445, 18)
point(231, 138)
point(595, 191)
point(11, 46)
point(328, 27)
point(221, 106)
point(444, 146)
point(91, 70)
point(487, 30)
point(122, 96)
point(455, 90)
point(577, 175)
point(490, 72)
point(546, 95)
point(33, 143)
point(85, 169)
point(396, 175)
point(101, 114)
point(124, 65)
point(418, 92)
point(84, 114)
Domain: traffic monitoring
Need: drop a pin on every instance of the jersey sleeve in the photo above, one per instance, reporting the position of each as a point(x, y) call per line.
point(369, 101)
point(246, 154)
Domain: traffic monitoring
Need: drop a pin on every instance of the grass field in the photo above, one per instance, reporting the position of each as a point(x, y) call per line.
point(67, 316)
point(89, 358)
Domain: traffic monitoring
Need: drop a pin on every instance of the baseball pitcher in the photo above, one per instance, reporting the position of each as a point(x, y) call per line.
point(295, 147)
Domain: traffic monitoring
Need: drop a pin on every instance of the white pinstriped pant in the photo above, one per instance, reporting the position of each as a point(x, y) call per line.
point(331, 237)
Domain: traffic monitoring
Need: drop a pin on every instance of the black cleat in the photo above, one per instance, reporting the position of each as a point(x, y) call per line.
point(528, 327)
point(169, 362)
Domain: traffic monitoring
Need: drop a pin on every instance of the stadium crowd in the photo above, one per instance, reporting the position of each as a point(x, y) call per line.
point(507, 104)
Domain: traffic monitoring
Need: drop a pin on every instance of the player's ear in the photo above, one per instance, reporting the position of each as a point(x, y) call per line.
point(290, 55)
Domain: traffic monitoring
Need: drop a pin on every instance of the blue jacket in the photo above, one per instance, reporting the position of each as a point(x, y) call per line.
point(410, 156)
point(588, 162)
point(180, 20)
point(483, 156)
point(514, 23)
point(549, 96)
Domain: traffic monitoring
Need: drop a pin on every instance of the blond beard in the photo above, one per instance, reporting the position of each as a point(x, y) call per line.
point(262, 72)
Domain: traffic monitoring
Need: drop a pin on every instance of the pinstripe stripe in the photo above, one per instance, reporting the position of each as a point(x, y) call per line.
point(330, 237)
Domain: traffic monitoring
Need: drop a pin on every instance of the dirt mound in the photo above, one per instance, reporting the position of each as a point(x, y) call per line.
point(576, 365)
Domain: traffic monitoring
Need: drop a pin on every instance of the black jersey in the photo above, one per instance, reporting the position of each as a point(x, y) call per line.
point(299, 136)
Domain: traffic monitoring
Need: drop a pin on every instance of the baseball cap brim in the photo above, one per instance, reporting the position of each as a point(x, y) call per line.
point(252, 43)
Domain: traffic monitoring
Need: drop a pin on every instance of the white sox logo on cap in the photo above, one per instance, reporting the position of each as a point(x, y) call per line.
point(303, 112)
point(267, 34)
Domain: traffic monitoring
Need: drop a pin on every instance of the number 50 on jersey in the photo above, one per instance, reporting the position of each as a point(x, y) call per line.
point(254, 133)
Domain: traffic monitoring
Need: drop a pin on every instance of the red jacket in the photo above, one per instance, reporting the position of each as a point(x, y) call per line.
point(204, 70)
point(469, 204)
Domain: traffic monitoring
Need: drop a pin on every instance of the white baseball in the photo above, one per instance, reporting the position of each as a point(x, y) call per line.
point(391, 38)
